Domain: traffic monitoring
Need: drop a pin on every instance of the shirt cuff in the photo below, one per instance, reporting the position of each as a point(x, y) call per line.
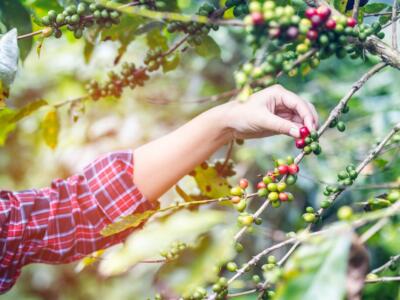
point(110, 180)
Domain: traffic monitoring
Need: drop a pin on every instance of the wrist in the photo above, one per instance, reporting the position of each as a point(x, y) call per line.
point(220, 121)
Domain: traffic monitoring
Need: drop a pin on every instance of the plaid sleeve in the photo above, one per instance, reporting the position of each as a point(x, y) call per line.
point(62, 223)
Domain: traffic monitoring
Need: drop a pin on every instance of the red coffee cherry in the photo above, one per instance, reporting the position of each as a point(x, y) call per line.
point(300, 143)
point(351, 22)
point(283, 197)
point(316, 21)
point(283, 169)
point(330, 24)
point(304, 132)
point(257, 18)
point(243, 183)
point(310, 12)
point(324, 12)
point(261, 185)
point(293, 169)
point(312, 34)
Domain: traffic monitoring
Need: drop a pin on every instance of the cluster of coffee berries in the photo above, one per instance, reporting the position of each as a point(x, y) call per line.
point(240, 7)
point(310, 216)
point(221, 288)
point(197, 31)
point(154, 59)
point(274, 183)
point(78, 17)
point(199, 293)
point(130, 76)
point(173, 251)
point(308, 141)
point(290, 35)
point(270, 265)
point(337, 123)
point(347, 176)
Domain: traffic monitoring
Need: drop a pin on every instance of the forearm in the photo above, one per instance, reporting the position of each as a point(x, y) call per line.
point(162, 162)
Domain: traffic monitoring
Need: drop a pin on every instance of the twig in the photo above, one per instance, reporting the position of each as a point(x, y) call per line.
point(234, 92)
point(356, 7)
point(392, 185)
point(176, 46)
point(259, 211)
point(374, 229)
point(248, 292)
point(392, 260)
point(168, 52)
point(227, 156)
point(380, 14)
point(89, 17)
point(394, 25)
point(383, 279)
point(334, 114)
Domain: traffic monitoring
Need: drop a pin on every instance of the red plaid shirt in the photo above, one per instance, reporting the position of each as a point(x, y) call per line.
point(62, 223)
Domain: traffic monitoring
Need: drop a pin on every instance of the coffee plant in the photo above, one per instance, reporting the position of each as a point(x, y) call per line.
point(287, 42)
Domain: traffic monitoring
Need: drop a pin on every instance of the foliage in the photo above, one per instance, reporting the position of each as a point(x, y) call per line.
point(183, 249)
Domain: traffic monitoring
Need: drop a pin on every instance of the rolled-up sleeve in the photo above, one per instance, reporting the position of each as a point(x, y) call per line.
point(62, 223)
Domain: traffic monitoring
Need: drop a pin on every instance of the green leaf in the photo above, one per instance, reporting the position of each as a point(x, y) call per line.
point(210, 183)
point(381, 163)
point(374, 8)
point(158, 235)
point(384, 19)
point(124, 32)
point(155, 39)
point(340, 5)
point(7, 125)
point(171, 64)
point(208, 48)
point(50, 128)
point(14, 15)
point(28, 109)
point(318, 267)
point(126, 222)
point(8, 58)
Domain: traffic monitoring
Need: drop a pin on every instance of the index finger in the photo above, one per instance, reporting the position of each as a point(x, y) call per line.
point(300, 107)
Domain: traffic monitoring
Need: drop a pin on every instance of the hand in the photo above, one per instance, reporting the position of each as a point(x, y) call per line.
point(268, 112)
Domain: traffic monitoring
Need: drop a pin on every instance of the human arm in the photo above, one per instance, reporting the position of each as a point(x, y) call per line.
point(275, 110)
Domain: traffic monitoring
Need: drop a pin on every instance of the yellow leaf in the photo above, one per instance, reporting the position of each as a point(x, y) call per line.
point(88, 260)
point(50, 128)
point(28, 109)
point(126, 222)
point(210, 183)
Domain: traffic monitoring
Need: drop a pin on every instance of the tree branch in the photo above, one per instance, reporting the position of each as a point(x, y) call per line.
point(356, 7)
point(392, 260)
point(394, 25)
point(383, 279)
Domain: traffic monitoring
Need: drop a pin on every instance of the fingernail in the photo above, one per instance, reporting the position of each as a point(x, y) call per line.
point(294, 132)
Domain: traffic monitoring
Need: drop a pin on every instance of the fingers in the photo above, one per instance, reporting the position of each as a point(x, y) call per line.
point(284, 126)
point(315, 114)
point(299, 106)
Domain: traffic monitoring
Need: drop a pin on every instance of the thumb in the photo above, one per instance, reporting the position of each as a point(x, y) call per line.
point(283, 126)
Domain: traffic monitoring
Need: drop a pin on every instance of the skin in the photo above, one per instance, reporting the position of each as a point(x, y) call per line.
point(272, 111)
